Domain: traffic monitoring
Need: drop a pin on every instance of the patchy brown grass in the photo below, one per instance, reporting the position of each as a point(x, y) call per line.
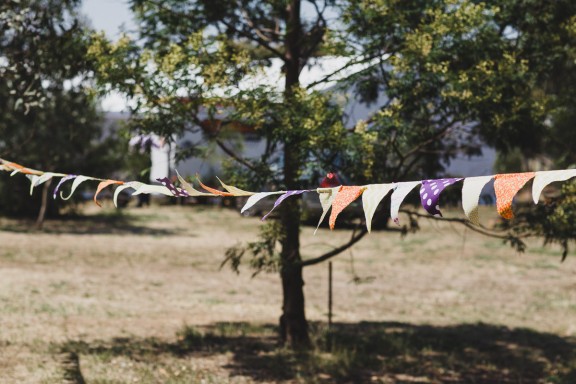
point(138, 295)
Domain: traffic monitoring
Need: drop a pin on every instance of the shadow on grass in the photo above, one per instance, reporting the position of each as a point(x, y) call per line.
point(383, 352)
point(100, 224)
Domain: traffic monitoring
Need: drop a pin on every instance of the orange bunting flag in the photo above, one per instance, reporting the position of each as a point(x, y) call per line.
point(345, 196)
point(103, 185)
point(20, 168)
point(506, 186)
point(213, 190)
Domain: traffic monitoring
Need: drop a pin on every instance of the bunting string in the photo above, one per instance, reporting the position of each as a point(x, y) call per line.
point(337, 198)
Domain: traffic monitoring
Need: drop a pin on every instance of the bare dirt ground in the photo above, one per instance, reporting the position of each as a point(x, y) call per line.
point(138, 296)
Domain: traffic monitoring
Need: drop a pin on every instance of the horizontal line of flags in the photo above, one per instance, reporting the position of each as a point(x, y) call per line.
point(506, 186)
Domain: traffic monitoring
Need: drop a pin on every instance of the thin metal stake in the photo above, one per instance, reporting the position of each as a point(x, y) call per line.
point(329, 294)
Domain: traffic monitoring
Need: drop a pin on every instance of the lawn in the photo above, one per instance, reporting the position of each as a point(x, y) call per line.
point(137, 295)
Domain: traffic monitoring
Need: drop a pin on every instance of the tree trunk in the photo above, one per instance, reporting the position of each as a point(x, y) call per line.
point(44, 205)
point(293, 323)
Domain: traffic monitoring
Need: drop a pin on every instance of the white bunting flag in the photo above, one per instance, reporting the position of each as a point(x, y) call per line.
point(401, 190)
point(33, 179)
point(77, 181)
point(471, 191)
point(544, 178)
point(252, 200)
point(132, 184)
point(371, 197)
point(147, 188)
point(326, 196)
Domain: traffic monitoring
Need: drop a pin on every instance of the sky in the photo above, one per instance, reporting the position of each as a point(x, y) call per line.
point(108, 16)
point(112, 17)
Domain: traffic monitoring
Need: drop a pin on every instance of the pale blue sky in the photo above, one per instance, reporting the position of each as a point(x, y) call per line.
point(108, 15)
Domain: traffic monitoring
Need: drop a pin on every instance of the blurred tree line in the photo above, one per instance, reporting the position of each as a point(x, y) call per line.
point(49, 118)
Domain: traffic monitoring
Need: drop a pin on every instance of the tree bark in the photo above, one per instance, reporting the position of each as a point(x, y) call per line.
point(293, 323)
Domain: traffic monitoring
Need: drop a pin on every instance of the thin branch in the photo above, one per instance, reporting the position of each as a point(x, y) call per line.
point(316, 33)
point(252, 25)
point(234, 155)
point(356, 237)
point(466, 223)
point(344, 67)
point(256, 39)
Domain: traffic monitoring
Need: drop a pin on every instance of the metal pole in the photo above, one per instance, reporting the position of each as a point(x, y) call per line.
point(329, 294)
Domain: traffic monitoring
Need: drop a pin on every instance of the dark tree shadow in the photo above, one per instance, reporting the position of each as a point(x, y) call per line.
point(383, 352)
point(102, 224)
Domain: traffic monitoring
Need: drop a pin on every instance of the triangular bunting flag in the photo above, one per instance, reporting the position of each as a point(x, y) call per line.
point(101, 186)
point(345, 196)
point(147, 188)
point(120, 188)
point(33, 179)
point(506, 186)
point(233, 190)
point(282, 198)
point(430, 194)
point(178, 192)
point(77, 181)
point(542, 179)
point(62, 181)
point(213, 190)
point(400, 192)
point(326, 196)
point(471, 191)
point(190, 189)
point(252, 200)
point(371, 197)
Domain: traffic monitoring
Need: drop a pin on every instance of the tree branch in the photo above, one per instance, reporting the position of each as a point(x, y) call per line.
point(466, 223)
point(356, 237)
point(256, 39)
point(345, 66)
point(234, 155)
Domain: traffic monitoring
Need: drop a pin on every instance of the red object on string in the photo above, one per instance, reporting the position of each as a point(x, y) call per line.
point(330, 181)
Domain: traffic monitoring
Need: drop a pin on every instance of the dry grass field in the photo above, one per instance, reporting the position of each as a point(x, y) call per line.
point(138, 297)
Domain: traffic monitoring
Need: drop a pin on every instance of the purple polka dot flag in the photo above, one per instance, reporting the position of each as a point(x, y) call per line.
point(178, 192)
point(430, 193)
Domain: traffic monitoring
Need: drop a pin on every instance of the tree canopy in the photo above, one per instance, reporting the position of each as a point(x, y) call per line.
point(49, 114)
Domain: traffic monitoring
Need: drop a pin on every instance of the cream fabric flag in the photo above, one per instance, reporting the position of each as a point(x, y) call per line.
point(77, 181)
point(45, 177)
point(120, 188)
point(471, 190)
point(371, 197)
point(33, 179)
point(401, 190)
point(326, 196)
point(252, 200)
point(235, 191)
point(147, 188)
point(190, 189)
point(544, 178)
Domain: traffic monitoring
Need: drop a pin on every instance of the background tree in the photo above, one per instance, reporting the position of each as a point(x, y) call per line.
point(49, 119)
point(450, 73)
